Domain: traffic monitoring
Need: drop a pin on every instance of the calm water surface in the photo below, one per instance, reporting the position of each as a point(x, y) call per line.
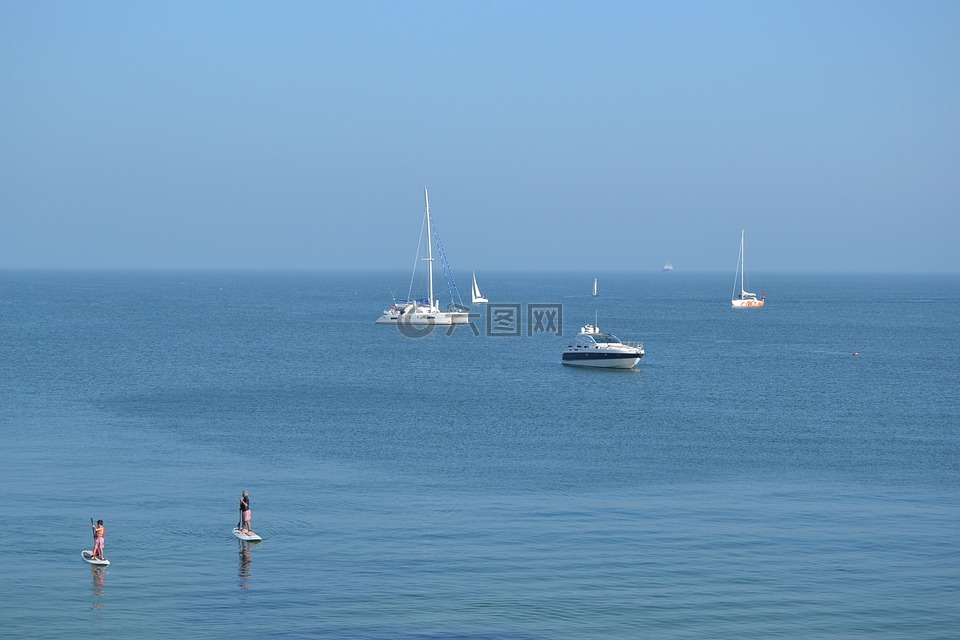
point(752, 478)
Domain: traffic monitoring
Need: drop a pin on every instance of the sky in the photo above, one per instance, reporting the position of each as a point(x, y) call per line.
point(552, 135)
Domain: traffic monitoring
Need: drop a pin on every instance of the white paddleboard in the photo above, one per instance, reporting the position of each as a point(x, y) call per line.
point(89, 559)
point(252, 537)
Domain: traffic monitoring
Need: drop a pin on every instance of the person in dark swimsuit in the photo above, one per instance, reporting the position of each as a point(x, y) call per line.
point(245, 513)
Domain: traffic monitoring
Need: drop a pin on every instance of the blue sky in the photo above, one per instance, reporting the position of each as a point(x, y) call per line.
point(552, 135)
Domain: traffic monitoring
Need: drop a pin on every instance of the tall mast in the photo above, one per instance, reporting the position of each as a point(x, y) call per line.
point(743, 266)
point(426, 197)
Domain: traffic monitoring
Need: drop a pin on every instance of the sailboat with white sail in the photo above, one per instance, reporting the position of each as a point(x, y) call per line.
point(475, 294)
point(743, 299)
point(426, 310)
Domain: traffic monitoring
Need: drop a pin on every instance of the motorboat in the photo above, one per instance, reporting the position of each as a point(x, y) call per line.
point(593, 348)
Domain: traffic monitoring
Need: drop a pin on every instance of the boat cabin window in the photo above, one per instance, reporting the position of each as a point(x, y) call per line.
point(601, 338)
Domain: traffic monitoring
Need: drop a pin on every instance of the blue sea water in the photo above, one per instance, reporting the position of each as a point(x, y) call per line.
point(752, 478)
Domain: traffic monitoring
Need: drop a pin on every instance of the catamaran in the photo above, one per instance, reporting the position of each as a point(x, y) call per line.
point(744, 299)
point(420, 311)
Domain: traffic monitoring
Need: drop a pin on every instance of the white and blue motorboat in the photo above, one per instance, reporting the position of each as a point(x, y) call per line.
point(593, 348)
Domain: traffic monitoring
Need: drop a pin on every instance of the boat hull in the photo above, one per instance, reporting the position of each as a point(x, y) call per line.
point(442, 318)
point(601, 360)
point(746, 304)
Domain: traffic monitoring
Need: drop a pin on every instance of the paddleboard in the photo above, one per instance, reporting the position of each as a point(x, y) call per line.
point(88, 558)
point(252, 537)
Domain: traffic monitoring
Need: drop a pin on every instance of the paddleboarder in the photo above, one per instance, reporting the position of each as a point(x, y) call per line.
point(99, 531)
point(245, 513)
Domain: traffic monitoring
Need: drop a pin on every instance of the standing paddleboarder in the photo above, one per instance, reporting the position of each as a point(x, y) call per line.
point(244, 525)
point(99, 531)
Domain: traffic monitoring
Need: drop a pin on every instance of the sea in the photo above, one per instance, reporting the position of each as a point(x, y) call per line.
point(786, 472)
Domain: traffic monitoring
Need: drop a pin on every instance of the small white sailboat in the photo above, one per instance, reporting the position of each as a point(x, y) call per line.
point(475, 291)
point(426, 311)
point(743, 299)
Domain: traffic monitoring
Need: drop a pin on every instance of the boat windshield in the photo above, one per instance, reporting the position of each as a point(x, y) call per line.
point(605, 338)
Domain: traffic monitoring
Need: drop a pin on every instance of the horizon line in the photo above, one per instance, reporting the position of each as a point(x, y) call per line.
point(499, 270)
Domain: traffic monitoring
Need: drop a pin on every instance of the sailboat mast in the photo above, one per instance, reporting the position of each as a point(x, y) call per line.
point(426, 198)
point(743, 266)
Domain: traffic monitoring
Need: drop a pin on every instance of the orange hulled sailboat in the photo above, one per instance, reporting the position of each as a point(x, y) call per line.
point(741, 298)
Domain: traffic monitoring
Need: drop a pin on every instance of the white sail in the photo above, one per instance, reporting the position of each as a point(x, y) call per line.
point(475, 291)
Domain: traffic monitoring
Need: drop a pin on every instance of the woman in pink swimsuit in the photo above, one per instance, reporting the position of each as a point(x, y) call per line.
point(98, 532)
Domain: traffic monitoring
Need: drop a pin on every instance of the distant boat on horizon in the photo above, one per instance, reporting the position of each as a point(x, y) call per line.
point(744, 299)
point(668, 267)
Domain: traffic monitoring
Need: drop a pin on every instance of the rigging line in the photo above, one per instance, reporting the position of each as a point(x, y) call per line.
point(447, 270)
point(736, 274)
point(416, 259)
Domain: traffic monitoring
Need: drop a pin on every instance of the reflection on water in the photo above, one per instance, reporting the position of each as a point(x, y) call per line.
point(99, 580)
point(244, 571)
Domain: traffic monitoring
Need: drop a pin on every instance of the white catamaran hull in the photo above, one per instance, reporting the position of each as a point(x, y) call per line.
point(743, 304)
point(438, 318)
